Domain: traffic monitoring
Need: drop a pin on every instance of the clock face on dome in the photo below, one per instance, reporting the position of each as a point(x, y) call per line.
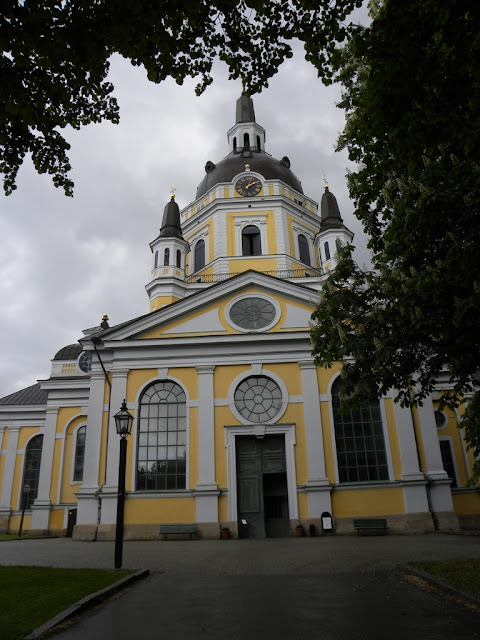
point(248, 186)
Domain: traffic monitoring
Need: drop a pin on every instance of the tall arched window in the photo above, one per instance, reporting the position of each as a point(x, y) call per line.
point(361, 454)
point(162, 438)
point(246, 140)
point(179, 258)
point(338, 244)
point(199, 255)
point(327, 251)
point(234, 144)
point(258, 143)
point(166, 258)
point(251, 241)
point(303, 249)
point(31, 470)
point(156, 260)
point(79, 454)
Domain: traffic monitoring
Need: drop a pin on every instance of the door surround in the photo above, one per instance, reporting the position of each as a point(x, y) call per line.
point(260, 431)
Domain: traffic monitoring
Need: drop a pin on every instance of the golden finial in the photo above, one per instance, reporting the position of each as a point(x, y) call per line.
point(172, 192)
point(247, 167)
point(325, 183)
point(105, 317)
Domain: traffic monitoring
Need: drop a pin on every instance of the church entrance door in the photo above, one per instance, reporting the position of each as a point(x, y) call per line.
point(262, 487)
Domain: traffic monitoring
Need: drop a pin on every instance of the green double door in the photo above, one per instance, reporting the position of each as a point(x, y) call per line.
point(262, 496)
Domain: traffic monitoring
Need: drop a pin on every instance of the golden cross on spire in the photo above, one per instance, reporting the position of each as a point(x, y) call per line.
point(325, 183)
point(172, 192)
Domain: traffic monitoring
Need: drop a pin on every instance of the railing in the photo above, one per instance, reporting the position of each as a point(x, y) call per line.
point(283, 274)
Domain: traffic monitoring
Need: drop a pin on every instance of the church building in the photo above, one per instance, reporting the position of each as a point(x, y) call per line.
point(233, 424)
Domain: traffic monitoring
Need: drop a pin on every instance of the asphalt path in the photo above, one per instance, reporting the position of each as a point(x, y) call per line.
point(320, 588)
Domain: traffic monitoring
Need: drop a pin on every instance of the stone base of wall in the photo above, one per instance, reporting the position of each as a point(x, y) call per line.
point(403, 523)
point(447, 521)
point(469, 522)
point(4, 520)
point(84, 532)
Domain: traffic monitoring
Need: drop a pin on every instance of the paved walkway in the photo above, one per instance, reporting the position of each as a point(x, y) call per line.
point(312, 588)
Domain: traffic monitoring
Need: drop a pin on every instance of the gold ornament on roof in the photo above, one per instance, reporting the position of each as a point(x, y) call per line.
point(172, 192)
point(247, 167)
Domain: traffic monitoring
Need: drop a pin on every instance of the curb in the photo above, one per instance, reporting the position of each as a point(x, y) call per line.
point(442, 585)
point(86, 603)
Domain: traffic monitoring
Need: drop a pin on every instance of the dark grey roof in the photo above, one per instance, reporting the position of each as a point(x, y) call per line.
point(70, 352)
point(171, 227)
point(259, 161)
point(245, 111)
point(330, 213)
point(29, 395)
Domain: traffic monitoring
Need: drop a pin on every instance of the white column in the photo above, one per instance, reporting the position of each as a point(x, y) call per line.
point(87, 494)
point(413, 480)
point(7, 480)
point(440, 493)
point(206, 490)
point(318, 486)
point(110, 490)
point(42, 504)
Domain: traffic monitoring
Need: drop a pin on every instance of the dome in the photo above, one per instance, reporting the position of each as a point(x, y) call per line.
point(261, 162)
point(70, 352)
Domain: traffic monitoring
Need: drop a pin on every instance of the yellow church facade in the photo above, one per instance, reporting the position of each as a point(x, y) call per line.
point(234, 425)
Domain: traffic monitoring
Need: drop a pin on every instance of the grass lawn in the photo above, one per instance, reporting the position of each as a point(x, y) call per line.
point(32, 595)
point(463, 573)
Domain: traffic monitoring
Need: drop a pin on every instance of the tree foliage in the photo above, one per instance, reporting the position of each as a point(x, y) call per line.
point(412, 100)
point(55, 54)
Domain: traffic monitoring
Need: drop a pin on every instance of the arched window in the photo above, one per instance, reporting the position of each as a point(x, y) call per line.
point(327, 251)
point(179, 258)
point(246, 140)
point(199, 259)
point(156, 260)
point(31, 471)
point(251, 241)
point(166, 257)
point(338, 244)
point(234, 144)
point(303, 249)
point(162, 438)
point(258, 142)
point(360, 442)
point(79, 454)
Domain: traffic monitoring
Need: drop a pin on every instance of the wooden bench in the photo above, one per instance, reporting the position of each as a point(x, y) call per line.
point(370, 526)
point(166, 529)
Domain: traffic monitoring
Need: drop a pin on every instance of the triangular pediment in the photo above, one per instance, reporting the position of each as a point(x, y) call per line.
point(226, 308)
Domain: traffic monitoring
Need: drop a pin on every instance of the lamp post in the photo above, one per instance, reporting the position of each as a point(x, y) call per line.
point(26, 493)
point(123, 424)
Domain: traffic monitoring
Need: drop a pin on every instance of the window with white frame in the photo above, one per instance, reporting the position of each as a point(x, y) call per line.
point(162, 438)
point(360, 442)
point(31, 471)
point(303, 249)
point(79, 457)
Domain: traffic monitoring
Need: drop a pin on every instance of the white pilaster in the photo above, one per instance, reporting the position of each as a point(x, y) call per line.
point(206, 490)
point(42, 504)
point(87, 494)
point(9, 471)
point(413, 479)
point(440, 493)
point(318, 486)
point(110, 490)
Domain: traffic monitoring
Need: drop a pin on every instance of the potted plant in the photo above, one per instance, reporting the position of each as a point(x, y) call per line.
point(224, 533)
point(299, 530)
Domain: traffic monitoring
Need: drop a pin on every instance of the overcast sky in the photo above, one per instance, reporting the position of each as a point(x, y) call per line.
point(64, 262)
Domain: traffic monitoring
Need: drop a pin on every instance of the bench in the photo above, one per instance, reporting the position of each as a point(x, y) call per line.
point(370, 526)
point(166, 529)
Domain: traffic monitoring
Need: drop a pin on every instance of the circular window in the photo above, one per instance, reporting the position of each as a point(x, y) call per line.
point(252, 313)
point(440, 419)
point(258, 399)
point(85, 362)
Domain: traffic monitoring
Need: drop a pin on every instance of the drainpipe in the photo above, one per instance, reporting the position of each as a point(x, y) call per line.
point(425, 475)
point(96, 341)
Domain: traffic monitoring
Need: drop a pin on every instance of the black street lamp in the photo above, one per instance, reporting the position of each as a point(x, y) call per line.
point(123, 423)
point(26, 493)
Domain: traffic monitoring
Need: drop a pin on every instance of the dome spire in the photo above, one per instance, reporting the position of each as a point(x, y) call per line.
point(171, 227)
point(245, 111)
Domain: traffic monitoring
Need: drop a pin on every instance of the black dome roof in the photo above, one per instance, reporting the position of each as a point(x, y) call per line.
point(70, 352)
point(259, 161)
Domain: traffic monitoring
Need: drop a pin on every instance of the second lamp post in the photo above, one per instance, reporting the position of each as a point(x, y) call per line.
point(123, 423)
